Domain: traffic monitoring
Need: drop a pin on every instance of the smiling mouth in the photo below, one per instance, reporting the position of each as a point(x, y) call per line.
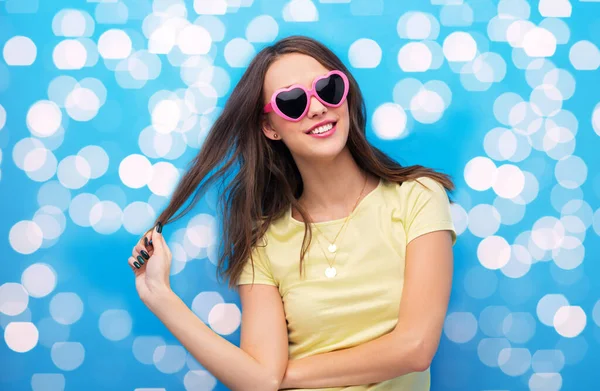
point(323, 128)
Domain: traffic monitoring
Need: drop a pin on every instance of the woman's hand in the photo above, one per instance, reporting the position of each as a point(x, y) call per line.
point(153, 256)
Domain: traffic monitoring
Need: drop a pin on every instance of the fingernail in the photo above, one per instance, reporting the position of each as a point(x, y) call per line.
point(145, 241)
point(137, 265)
point(145, 254)
point(159, 227)
point(141, 260)
point(150, 242)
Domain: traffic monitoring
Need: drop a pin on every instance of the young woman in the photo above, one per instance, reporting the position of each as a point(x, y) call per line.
point(359, 308)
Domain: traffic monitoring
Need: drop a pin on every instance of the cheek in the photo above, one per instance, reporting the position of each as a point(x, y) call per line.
point(284, 126)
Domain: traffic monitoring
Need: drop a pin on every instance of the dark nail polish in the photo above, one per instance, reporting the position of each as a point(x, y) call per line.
point(150, 242)
point(137, 265)
point(145, 254)
point(145, 241)
point(159, 227)
point(141, 260)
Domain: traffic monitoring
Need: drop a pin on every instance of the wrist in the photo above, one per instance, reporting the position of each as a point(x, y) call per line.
point(157, 297)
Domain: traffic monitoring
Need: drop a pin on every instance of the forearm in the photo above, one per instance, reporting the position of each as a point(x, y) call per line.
point(235, 368)
point(384, 358)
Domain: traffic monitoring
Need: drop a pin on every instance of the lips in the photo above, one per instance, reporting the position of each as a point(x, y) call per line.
point(320, 124)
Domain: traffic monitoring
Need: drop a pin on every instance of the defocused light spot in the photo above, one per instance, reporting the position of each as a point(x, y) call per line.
point(489, 349)
point(225, 318)
point(456, 15)
point(72, 23)
point(169, 359)
point(300, 11)
point(13, 298)
point(199, 380)
point(548, 306)
point(67, 356)
point(194, 39)
point(584, 56)
point(263, 28)
point(484, 221)
point(204, 302)
point(546, 361)
point(519, 327)
point(364, 53)
point(114, 44)
point(459, 46)
point(569, 321)
point(389, 121)
point(238, 53)
point(460, 327)
point(21, 336)
point(144, 347)
point(115, 325)
point(44, 118)
point(66, 307)
point(106, 217)
point(39, 279)
point(210, 7)
point(571, 172)
point(165, 177)
point(555, 8)
point(115, 12)
point(135, 171)
point(70, 54)
point(480, 173)
point(25, 237)
point(417, 25)
point(514, 361)
point(82, 104)
point(491, 320)
point(545, 382)
point(19, 51)
point(414, 57)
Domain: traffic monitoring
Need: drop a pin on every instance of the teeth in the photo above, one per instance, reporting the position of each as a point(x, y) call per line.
point(322, 129)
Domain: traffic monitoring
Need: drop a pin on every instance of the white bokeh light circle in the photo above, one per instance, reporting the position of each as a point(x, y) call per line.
point(364, 53)
point(39, 279)
point(13, 299)
point(493, 252)
point(44, 118)
point(225, 318)
point(66, 308)
point(19, 51)
point(569, 321)
point(21, 337)
point(114, 44)
point(115, 325)
point(389, 121)
point(25, 237)
point(67, 356)
point(135, 171)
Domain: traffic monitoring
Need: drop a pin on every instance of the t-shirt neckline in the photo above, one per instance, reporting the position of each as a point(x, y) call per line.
point(337, 221)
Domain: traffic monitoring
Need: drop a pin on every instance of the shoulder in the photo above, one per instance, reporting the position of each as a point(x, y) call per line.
point(411, 188)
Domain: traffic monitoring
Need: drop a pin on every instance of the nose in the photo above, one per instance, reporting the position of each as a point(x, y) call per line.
point(316, 108)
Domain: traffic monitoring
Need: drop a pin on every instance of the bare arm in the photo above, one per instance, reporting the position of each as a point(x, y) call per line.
point(233, 366)
point(410, 347)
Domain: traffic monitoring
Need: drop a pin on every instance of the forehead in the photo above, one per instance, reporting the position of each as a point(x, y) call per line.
point(293, 68)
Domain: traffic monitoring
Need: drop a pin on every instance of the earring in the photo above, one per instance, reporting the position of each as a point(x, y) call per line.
point(275, 135)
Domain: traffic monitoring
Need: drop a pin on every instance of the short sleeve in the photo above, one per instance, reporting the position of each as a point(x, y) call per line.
point(262, 269)
point(427, 209)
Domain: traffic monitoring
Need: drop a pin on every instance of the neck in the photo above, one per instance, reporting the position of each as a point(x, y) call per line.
point(331, 188)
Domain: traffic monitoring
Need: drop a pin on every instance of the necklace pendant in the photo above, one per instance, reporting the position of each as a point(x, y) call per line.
point(330, 272)
point(332, 248)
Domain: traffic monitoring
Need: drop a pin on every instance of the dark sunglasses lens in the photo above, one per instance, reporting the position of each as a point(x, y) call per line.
point(291, 103)
point(331, 89)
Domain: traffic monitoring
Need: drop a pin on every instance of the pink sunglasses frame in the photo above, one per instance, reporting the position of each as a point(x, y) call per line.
point(272, 105)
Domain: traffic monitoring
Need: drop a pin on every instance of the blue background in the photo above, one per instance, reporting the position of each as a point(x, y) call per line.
point(69, 283)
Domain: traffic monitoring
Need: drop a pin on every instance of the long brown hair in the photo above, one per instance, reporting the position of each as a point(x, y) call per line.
point(268, 180)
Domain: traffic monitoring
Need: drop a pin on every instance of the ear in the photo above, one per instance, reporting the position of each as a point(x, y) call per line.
point(268, 130)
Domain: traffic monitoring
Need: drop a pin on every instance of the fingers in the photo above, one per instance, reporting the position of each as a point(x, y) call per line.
point(134, 263)
point(157, 237)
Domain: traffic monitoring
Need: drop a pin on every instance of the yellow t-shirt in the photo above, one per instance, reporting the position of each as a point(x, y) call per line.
point(362, 301)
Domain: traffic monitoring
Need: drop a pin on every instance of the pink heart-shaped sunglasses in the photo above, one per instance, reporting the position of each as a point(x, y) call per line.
point(292, 103)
